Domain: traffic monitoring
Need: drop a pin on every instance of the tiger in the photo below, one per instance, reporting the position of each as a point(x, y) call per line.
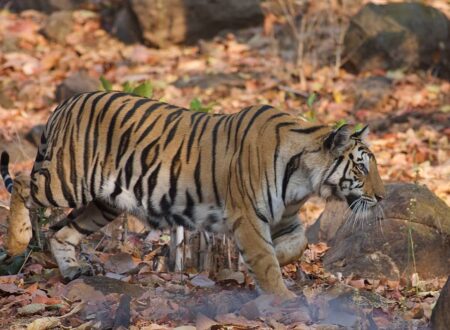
point(246, 174)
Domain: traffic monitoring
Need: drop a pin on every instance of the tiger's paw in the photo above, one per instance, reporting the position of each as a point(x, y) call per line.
point(287, 295)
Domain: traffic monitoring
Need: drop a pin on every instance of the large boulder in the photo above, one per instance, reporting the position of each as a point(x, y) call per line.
point(186, 21)
point(398, 35)
point(46, 6)
point(440, 318)
point(413, 236)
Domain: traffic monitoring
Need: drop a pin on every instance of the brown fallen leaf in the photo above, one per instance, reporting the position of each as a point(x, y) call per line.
point(44, 323)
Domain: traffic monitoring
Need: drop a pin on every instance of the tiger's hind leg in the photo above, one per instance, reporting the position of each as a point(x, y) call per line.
point(19, 223)
point(84, 222)
point(289, 240)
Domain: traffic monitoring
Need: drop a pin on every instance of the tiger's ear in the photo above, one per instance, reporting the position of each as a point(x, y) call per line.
point(362, 134)
point(338, 140)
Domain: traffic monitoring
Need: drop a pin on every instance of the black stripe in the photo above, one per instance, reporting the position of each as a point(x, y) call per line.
point(138, 190)
point(111, 132)
point(307, 130)
point(123, 144)
point(117, 189)
point(200, 115)
point(172, 132)
point(229, 125)
point(188, 211)
point(287, 230)
point(4, 161)
point(87, 142)
point(73, 166)
point(241, 116)
point(132, 110)
point(48, 189)
point(197, 178)
point(338, 162)
point(269, 195)
point(148, 112)
point(291, 167)
point(213, 163)
point(83, 231)
point(144, 155)
point(147, 130)
point(203, 129)
point(278, 127)
point(171, 117)
point(175, 170)
point(129, 170)
point(62, 179)
point(151, 184)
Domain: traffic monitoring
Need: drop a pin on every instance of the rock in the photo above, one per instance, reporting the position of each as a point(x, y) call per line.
point(186, 21)
point(47, 6)
point(202, 281)
point(58, 26)
point(34, 134)
point(126, 26)
point(440, 318)
point(398, 35)
point(79, 82)
point(373, 249)
point(370, 92)
point(211, 80)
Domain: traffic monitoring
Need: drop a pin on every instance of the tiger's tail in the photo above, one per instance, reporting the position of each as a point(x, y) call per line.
point(4, 162)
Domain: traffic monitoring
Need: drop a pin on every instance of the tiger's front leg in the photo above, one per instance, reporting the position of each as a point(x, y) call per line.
point(63, 243)
point(290, 240)
point(254, 242)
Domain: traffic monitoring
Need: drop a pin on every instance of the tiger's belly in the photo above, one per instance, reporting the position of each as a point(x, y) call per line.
point(204, 217)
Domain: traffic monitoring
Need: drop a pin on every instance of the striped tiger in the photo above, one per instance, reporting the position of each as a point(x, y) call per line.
point(247, 174)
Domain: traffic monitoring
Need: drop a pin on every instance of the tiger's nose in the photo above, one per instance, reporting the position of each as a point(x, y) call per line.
point(379, 197)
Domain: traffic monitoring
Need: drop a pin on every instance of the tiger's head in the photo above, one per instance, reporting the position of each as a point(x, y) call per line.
point(353, 175)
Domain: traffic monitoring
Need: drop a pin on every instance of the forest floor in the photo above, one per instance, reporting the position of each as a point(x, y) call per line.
point(409, 113)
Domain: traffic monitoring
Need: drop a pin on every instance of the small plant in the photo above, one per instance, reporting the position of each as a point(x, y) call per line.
point(144, 89)
point(197, 106)
point(340, 123)
point(311, 113)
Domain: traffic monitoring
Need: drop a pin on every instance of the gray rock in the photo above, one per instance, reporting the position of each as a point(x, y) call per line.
point(47, 6)
point(398, 35)
point(77, 83)
point(58, 26)
point(414, 216)
point(186, 21)
point(126, 27)
point(370, 92)
point(440, 318)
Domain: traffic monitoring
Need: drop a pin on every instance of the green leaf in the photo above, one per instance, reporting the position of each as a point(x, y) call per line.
point(195, 105)
point(358, 127)
point(127, 88)
point(106, 84)
point(311, 99)
point(145, 90)
point(340, 123)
